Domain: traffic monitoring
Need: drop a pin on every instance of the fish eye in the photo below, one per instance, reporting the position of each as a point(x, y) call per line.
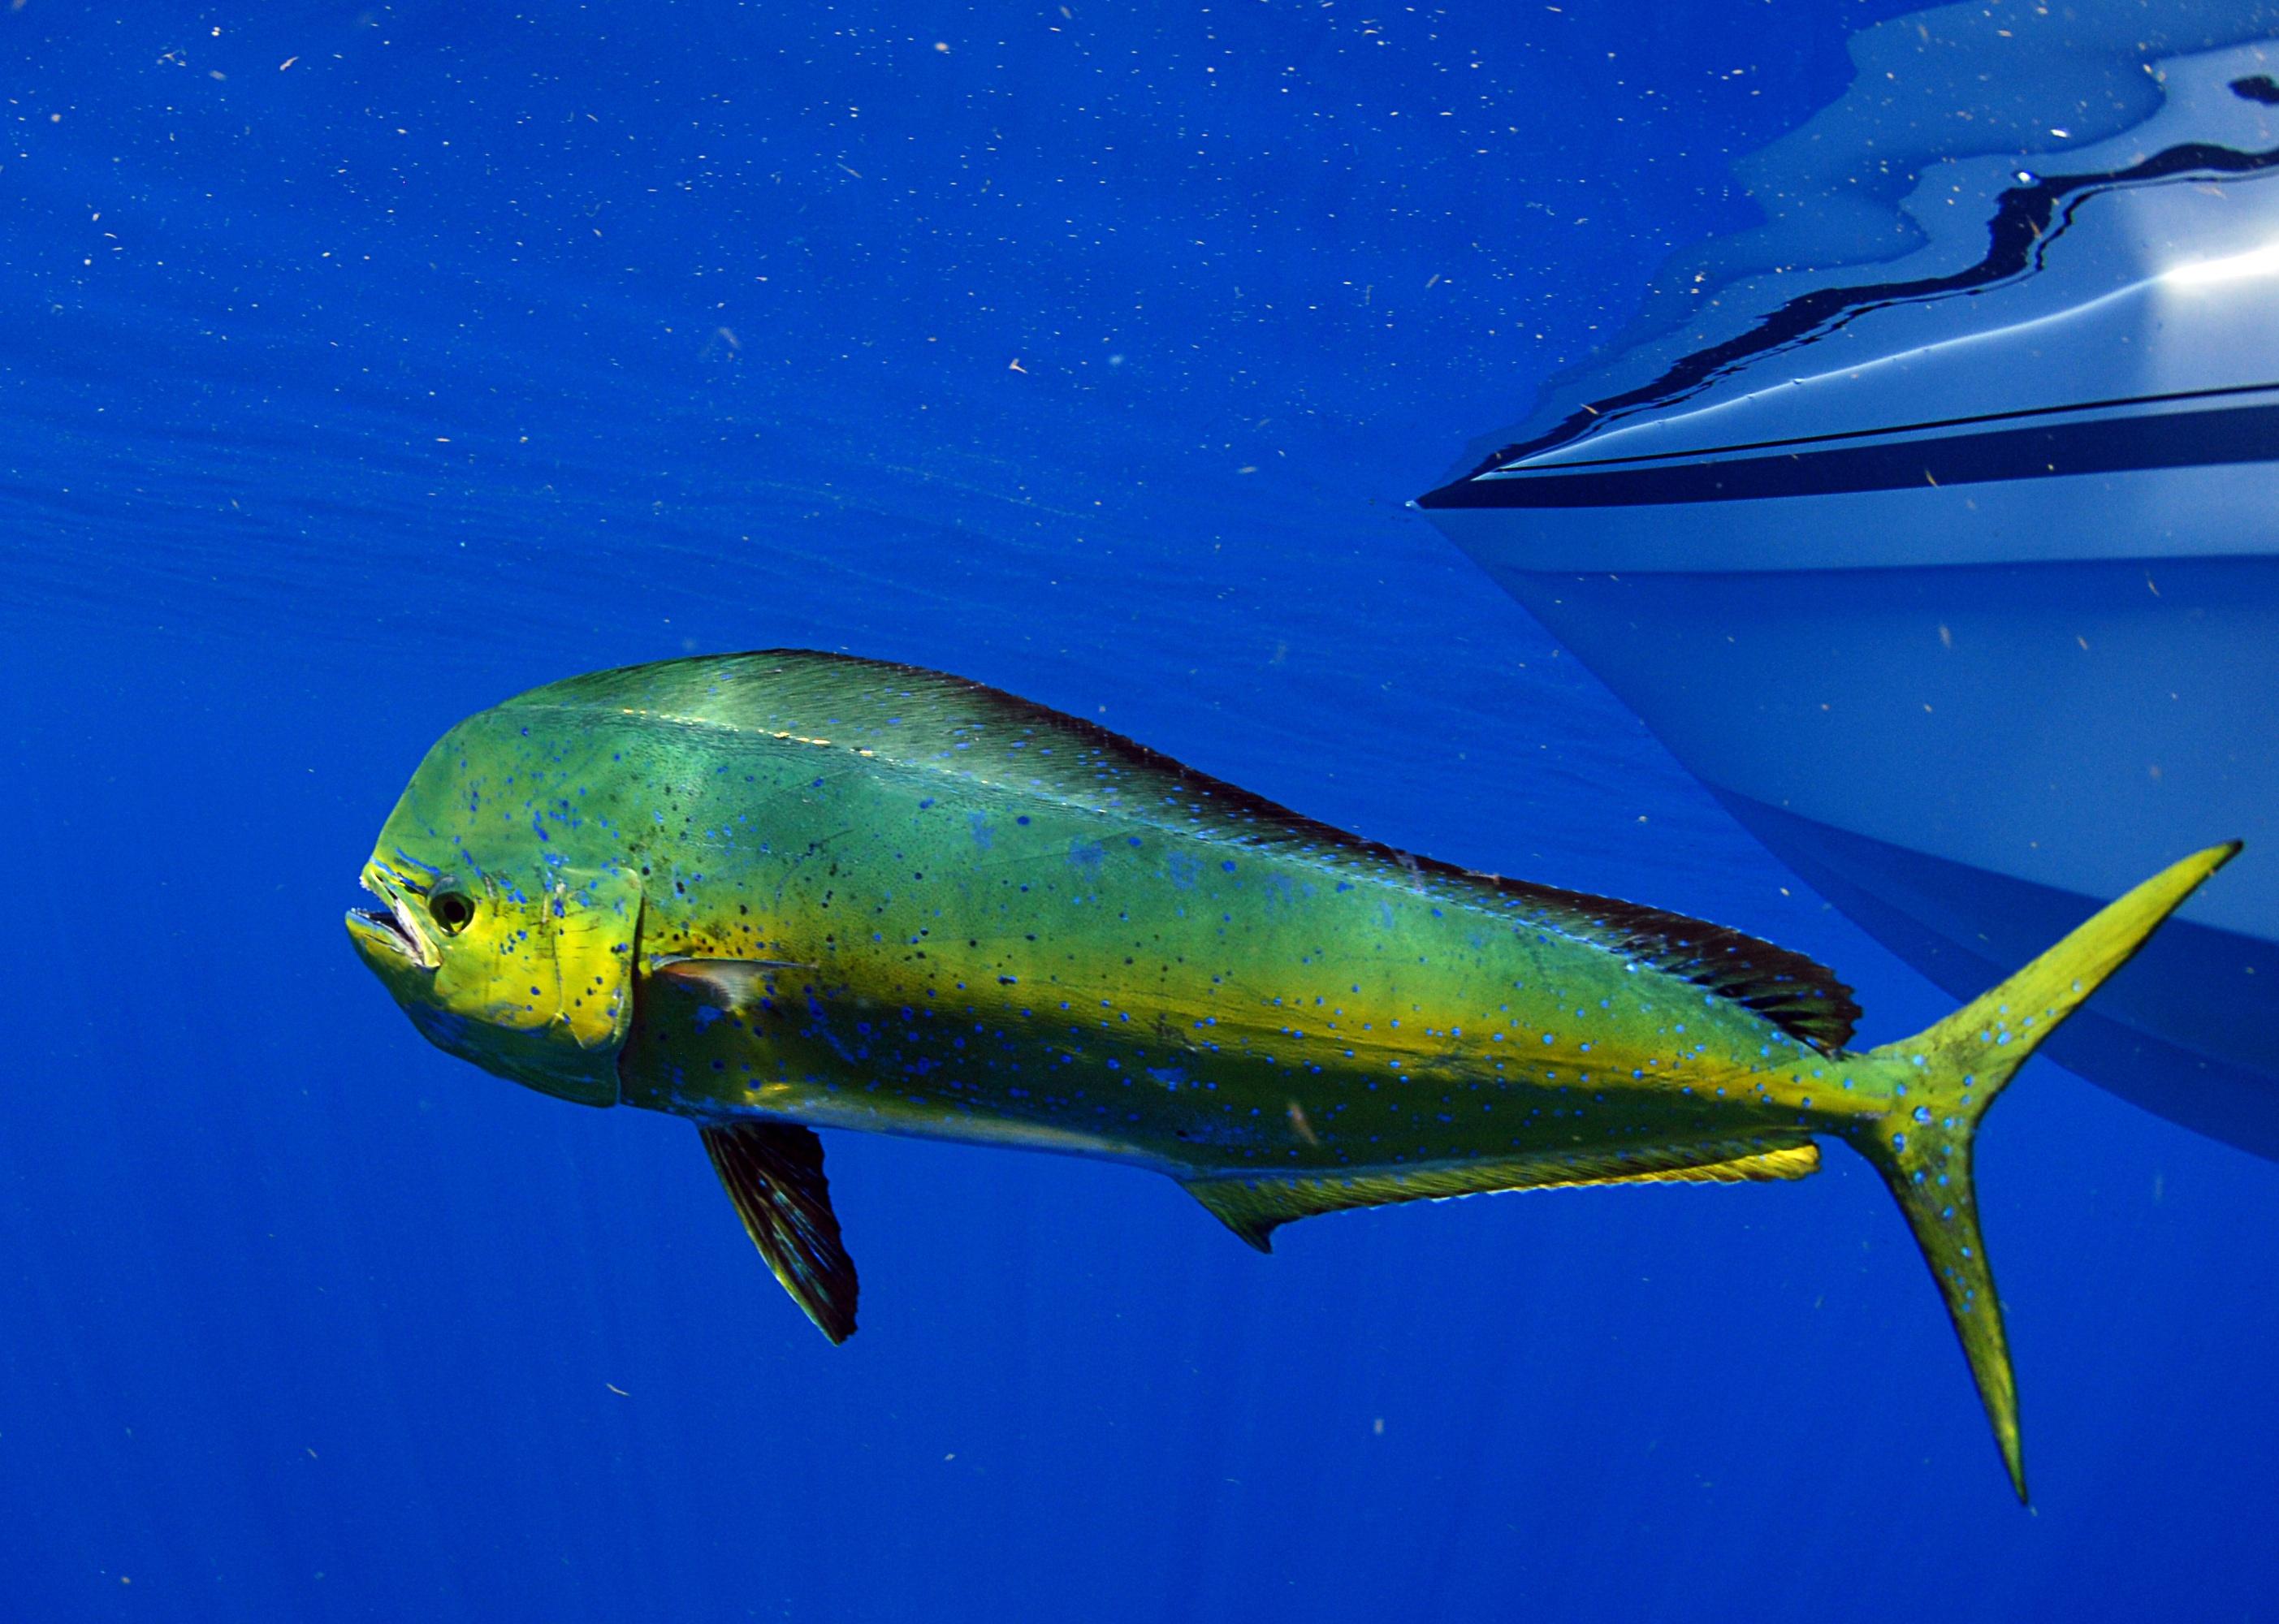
point(454, 910)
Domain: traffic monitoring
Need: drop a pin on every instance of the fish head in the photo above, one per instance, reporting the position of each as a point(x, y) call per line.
point(506, 928)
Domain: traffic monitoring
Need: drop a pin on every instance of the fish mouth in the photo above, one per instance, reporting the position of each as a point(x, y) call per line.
point(390, 930)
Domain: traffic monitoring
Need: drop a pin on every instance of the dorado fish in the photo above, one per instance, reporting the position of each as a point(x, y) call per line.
point(772, 893)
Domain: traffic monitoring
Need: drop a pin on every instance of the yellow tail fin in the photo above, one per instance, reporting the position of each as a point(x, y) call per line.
point(1952, 1072)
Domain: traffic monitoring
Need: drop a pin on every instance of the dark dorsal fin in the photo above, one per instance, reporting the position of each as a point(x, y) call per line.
point(1799, 996)
point(773, 1172)
point(929, 721)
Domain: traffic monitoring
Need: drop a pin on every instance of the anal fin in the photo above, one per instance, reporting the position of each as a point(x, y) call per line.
point(1255, 1208)
point(773, 1172)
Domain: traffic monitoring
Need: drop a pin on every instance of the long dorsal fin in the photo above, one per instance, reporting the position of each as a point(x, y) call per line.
point(773, 1172)
point(929, 721)
point(1255, 1208)
point(1801, 997)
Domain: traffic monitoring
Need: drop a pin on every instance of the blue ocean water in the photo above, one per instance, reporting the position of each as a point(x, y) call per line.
point(362, 367)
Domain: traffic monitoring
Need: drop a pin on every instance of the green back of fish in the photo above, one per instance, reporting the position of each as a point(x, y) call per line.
point(945, 727)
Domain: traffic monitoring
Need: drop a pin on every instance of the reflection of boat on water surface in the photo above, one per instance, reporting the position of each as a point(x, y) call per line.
point(1956, 575)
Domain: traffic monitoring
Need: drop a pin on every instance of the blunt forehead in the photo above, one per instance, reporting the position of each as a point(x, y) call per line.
point(504, 789)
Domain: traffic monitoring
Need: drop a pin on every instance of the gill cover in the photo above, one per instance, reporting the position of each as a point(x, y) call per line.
point(545, 995)
point(535, 985)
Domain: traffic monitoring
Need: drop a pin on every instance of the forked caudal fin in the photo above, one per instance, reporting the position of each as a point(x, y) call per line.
point(1952, 1072)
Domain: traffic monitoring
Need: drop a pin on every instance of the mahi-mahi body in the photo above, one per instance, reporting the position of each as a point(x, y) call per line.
point(776, 892)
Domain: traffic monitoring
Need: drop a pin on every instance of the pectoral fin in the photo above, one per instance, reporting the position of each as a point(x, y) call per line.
point(1254, 1208)
point(773, 1172)
point(727, 983)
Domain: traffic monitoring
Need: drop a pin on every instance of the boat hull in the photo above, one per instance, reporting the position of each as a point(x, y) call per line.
point(1955, 574)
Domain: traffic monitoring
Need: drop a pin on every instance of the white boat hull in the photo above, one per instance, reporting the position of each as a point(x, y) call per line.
point(1960, 584)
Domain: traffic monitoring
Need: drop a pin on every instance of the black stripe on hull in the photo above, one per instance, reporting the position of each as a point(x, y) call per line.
point(2026, 220)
